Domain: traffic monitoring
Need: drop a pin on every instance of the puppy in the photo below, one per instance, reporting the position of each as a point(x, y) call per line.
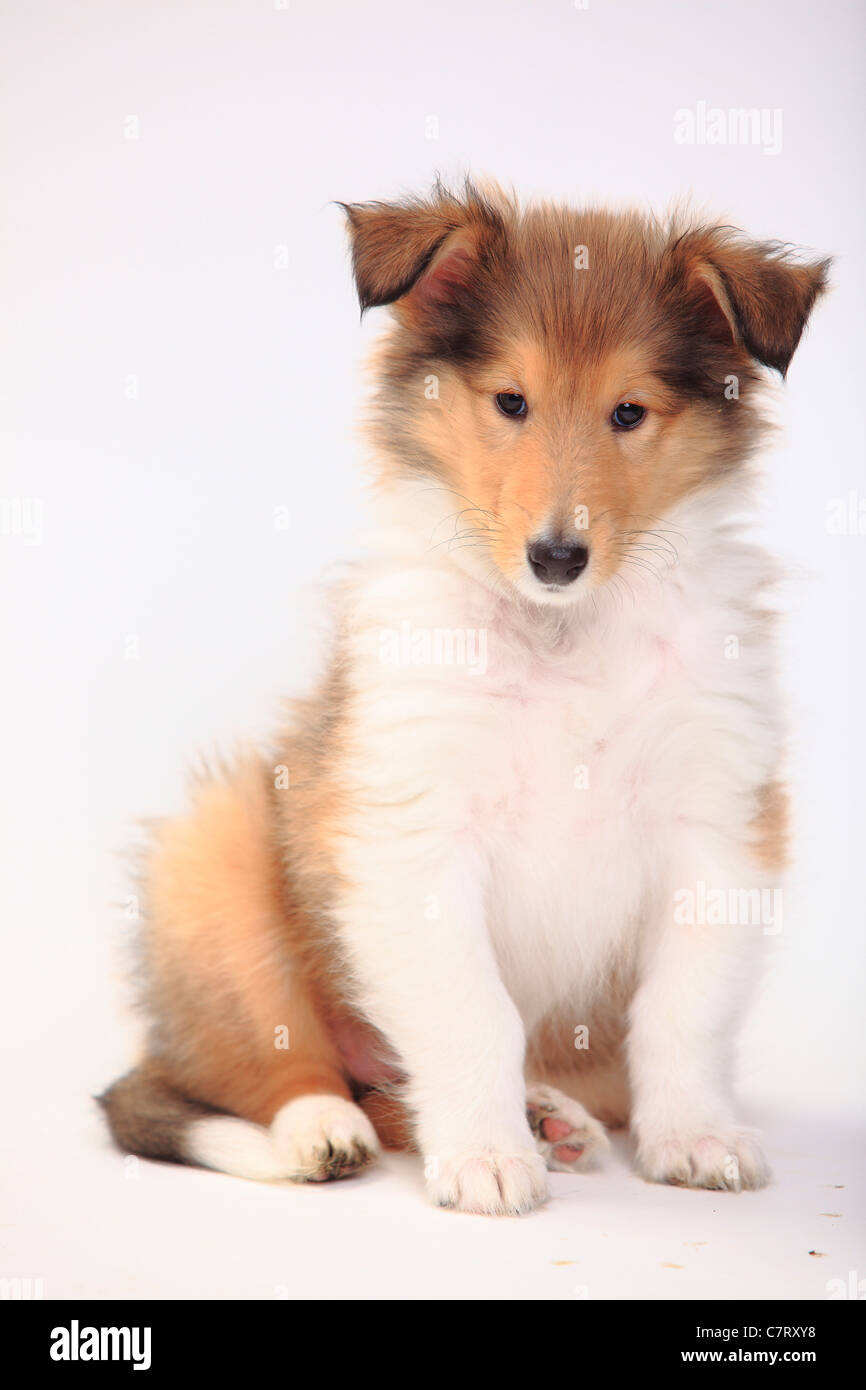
point(506, 876)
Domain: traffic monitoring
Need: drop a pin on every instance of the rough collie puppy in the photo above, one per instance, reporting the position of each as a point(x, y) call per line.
point(506, 877)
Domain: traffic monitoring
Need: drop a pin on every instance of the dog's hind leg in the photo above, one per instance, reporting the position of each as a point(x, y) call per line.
point(243, 1073)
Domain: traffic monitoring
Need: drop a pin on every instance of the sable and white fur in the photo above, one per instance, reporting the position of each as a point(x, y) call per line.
point(473, 863)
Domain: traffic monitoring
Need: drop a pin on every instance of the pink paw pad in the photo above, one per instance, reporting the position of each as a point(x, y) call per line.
point(554, 1129)
point(566, 1134)
point(567, 1153)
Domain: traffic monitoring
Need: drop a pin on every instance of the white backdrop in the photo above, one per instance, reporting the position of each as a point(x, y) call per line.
point(181, 358)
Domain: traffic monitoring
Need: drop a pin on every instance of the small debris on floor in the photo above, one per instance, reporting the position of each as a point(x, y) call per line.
point(819, 1254)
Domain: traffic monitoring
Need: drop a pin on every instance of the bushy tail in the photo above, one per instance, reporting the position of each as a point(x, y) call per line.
point(148, 1116)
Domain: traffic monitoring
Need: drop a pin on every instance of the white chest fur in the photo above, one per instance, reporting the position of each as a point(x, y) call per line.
point(562, 750)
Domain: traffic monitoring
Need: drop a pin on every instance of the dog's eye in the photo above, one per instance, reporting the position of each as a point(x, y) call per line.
point(511, 403)
point(627, 415)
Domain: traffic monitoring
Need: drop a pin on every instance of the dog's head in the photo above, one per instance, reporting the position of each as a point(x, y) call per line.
point(569, 377)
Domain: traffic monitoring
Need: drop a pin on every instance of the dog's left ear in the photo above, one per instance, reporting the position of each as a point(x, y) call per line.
point(755, 292)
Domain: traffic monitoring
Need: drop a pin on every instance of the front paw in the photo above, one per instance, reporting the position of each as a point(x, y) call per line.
point(730, 1161)
point(491, 1184)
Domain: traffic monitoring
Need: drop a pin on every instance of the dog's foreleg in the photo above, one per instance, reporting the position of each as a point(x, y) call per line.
point(702, 956)
point(412, 922)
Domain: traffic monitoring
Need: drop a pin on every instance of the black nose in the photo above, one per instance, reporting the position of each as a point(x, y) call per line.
point(557, 564)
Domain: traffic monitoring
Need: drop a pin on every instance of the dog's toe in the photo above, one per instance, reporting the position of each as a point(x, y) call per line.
point(319, 1137)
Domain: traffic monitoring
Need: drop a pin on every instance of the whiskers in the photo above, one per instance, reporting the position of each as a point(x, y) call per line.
point(651, 550)
point(473, 526)
point(648, 549)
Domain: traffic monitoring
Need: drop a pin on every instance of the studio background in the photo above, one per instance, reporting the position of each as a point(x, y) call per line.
point(181, 381)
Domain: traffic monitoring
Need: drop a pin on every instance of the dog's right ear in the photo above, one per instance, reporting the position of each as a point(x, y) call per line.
point(425, 253)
